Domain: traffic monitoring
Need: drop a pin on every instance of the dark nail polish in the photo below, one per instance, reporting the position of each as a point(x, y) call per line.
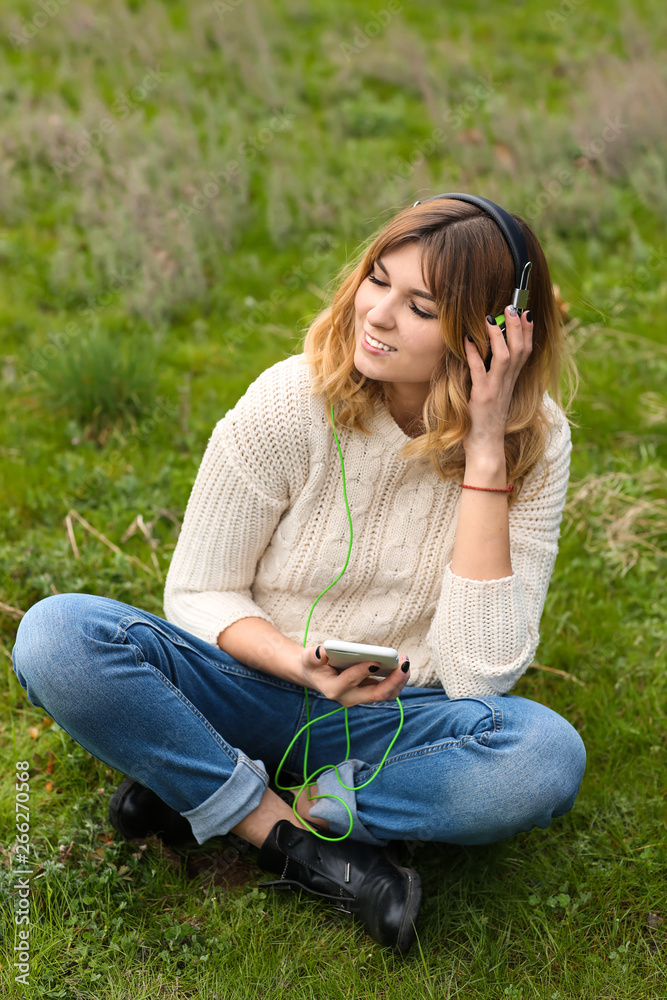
point(317, 653)
point(468, 337)
point(373, 669)
point(491, 320)
point(405, 666)
point(529, 316)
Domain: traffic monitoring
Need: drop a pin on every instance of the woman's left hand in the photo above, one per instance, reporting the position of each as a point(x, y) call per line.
point(491, 391)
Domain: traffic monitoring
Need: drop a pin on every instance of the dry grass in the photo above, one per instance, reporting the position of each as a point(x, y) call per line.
point(632, 91)
point(120, 206)
point(543, 914)
point(622, 515)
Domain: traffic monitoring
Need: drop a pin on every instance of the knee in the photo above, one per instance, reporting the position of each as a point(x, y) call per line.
point(46, 648)
point(567, 761)
point(557, 761)
point(46, 622)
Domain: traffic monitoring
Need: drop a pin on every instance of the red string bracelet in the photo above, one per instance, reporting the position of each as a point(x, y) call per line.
point(487, 489)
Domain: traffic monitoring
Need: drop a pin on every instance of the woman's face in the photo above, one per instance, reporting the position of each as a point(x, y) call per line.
point(394, 307)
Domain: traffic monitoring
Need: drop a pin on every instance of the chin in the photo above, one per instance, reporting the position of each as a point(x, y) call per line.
point(360, 362)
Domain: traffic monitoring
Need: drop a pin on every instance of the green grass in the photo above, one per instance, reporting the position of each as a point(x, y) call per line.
point(131, 319)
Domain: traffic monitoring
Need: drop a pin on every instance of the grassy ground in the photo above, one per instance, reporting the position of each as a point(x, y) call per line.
point(138, 299)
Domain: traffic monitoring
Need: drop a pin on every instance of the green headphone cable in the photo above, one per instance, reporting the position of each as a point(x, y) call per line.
point(307, 779)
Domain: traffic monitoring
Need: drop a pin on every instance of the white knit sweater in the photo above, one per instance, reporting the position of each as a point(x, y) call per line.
point(266, 530)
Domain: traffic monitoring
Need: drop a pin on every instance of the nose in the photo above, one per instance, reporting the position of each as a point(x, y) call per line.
point(381, 314)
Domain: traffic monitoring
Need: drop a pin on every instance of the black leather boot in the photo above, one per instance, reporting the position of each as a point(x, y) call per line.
point(384, 897)
point(137, 811)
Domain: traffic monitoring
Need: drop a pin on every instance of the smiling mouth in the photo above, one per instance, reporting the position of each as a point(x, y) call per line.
point(378, 344)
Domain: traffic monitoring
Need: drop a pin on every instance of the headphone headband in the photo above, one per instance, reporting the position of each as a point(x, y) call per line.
point(513, 237)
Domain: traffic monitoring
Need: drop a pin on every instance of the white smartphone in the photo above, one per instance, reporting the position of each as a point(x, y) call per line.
point(346, 654)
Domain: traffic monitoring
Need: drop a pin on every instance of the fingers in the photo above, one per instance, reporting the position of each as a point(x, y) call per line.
point(514, 345)
point(519, 331)
point(360, 672)
point(391, 687)
point(475, 362)
point(382, 689)
point(356, 684)
point(318, 656)
point(336, 678)
point(527, 318)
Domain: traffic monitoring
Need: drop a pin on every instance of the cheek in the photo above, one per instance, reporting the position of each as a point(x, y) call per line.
point(438, 348)
point(427, 346)
point(362, 301)
point(430, 352)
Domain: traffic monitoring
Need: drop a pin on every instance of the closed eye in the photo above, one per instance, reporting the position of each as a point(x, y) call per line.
point(424, 315)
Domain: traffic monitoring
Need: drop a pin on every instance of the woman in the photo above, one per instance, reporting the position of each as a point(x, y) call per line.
point(456, 464)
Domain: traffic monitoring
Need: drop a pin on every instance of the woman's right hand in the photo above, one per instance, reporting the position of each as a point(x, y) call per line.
point(354, 685)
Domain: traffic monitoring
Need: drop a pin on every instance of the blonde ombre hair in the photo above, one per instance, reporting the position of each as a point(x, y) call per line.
point(468, 268)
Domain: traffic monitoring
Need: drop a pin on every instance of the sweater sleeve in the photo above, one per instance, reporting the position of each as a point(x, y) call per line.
point(241, 490)
point(485, 633)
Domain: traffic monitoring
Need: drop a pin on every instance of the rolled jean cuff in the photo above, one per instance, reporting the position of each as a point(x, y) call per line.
point(241, 793)
point(333, 811)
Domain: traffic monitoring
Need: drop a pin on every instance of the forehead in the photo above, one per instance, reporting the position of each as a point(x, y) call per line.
point(406, 258)
point(404, 267)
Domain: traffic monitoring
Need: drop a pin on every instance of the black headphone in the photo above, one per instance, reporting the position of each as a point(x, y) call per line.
point(514, 239)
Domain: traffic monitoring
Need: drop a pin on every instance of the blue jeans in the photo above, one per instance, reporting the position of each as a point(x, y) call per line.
point(204, 732)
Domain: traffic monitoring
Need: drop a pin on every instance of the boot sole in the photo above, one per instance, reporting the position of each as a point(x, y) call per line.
point(407, 932)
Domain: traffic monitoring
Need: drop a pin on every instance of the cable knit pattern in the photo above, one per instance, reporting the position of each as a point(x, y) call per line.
point(266, 531)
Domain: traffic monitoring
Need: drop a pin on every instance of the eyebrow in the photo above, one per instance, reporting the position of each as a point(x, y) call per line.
point(411, 291)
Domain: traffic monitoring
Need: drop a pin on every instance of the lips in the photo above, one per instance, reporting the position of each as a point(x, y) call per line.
point(368, 344)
